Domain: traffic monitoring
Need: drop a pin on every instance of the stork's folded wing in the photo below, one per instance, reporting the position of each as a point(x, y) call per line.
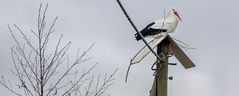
point(145, 50)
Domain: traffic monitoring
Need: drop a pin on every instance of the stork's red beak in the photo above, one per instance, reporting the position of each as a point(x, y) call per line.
point(176, 13)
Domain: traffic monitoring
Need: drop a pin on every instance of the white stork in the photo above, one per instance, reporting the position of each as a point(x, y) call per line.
point(159, 31)
point(167, 25)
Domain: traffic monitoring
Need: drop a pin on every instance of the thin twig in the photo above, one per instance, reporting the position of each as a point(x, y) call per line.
point(183, 44)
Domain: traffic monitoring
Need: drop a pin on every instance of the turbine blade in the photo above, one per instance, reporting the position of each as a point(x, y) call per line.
point(179, 54)
point(145, 50)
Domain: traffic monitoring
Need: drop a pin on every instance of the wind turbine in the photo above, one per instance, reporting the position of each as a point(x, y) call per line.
point(159, 30)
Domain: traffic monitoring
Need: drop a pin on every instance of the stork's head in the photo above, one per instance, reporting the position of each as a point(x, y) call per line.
point(175, 12)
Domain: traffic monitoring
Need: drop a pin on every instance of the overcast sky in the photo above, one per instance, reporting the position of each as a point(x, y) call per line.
point(208, 25)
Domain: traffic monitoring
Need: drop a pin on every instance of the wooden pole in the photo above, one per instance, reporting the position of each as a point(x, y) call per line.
point(161, 77)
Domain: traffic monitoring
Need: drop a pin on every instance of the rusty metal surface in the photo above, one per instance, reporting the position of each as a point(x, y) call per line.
point(179, 54)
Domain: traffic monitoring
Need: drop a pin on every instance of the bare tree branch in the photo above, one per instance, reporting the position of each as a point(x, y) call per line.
point(41, 71)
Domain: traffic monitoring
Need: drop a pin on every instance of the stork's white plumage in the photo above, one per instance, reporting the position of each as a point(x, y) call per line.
point(159, 31)
point(168, 25)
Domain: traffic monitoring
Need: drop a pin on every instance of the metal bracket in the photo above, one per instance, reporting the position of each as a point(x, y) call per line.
point(170, 54)
point(172, 64)
point(170, 77)
point(162, 55)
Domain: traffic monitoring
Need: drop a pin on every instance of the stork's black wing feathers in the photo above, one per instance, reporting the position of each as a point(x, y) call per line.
point(147, 31)
point(143, 32)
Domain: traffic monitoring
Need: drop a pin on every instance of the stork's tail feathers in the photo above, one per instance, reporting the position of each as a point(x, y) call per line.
point(137, 37)
point(143, 33)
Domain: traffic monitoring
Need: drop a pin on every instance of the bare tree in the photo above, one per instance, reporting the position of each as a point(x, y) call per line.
point(41, 71)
